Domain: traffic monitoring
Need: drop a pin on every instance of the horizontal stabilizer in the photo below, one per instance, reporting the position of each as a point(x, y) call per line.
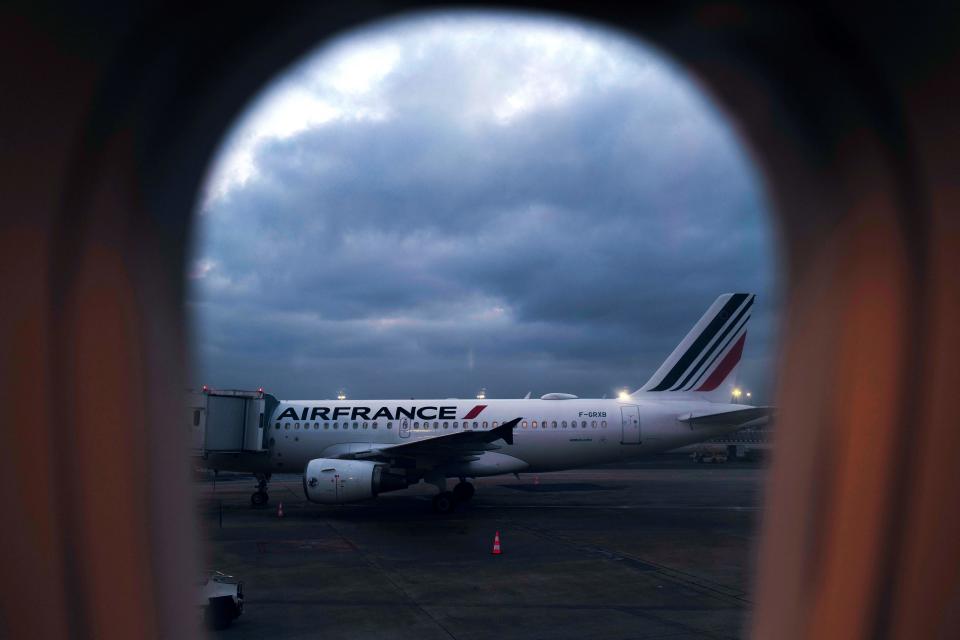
point(736, 416)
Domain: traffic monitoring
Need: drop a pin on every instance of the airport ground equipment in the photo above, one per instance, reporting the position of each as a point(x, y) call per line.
point(221, 599)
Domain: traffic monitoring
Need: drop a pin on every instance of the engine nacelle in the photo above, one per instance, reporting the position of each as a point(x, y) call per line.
point(332, 481)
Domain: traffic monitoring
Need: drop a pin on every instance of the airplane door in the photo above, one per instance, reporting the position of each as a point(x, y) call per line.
point(404, 428)
point(630, 416)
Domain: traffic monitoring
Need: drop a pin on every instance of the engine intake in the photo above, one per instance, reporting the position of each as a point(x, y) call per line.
point(332, 481)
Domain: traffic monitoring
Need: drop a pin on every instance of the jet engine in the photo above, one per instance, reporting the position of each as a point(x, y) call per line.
point(332, 481)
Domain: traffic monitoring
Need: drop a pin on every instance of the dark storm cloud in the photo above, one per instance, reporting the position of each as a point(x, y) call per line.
point(442, 247)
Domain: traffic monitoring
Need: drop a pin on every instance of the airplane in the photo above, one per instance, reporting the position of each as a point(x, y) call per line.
point(351, 450)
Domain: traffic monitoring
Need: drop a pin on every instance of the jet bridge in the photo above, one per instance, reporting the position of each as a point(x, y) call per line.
point(233, 421)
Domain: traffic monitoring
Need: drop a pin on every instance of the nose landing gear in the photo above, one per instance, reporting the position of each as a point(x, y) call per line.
point(260, 498)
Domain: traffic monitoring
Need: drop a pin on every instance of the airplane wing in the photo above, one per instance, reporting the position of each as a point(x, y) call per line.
point(733, 417)
point(462, 444)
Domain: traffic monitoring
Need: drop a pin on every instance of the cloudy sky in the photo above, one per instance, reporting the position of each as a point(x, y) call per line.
point(449, 202)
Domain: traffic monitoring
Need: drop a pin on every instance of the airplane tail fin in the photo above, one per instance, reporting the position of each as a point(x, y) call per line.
point(704, 364)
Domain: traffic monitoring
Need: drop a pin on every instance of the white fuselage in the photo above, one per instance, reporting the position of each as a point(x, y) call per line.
point(552, 434)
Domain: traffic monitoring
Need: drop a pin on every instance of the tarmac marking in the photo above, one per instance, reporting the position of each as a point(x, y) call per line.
point(651, 507)
point(704, 586)
point(375, 564)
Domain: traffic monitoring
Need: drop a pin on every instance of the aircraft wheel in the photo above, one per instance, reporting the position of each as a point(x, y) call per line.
point(259, 499)
point(463, 491)
point(444, 502)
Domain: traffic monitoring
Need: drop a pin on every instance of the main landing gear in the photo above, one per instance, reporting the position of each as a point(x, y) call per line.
point(446, 501)
point(463, 491)
point(260, 498)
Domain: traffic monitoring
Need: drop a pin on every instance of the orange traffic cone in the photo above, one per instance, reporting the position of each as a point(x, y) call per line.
point(496, 544)
point(280, 510)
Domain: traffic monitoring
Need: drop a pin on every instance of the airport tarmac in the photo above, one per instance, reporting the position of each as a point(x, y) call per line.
point(662, 549)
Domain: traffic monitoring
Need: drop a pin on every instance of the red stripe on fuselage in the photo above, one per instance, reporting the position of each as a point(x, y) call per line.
point(475, 412)
point(726, 366)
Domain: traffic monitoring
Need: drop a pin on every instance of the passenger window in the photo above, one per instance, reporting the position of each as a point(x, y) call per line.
point(296, 425)
point(484, 425)
point(455, 424)
point(416, 425)
point(563, 424)
point(524, 424)
point(326, 425)
point(475, 425)
point(593, 424)
point(446, 425)
point(495, 423)
point(335, 425)
point(554, 424)
point(365, 425)
point(374, 424)
point(355, 425)
point(389, 425)
point(276, 426)
point(436, 425)
point(604, 424)
point(286, 426)
point(583, 424)
point(534, 424)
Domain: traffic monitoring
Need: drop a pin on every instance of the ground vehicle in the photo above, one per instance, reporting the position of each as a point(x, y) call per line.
point(220, 597)
point(710, 453)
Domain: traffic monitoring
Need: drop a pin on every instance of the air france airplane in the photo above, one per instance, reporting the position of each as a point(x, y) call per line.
point(354, 450)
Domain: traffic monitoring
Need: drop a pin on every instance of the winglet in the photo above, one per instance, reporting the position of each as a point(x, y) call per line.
point(505, 430)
